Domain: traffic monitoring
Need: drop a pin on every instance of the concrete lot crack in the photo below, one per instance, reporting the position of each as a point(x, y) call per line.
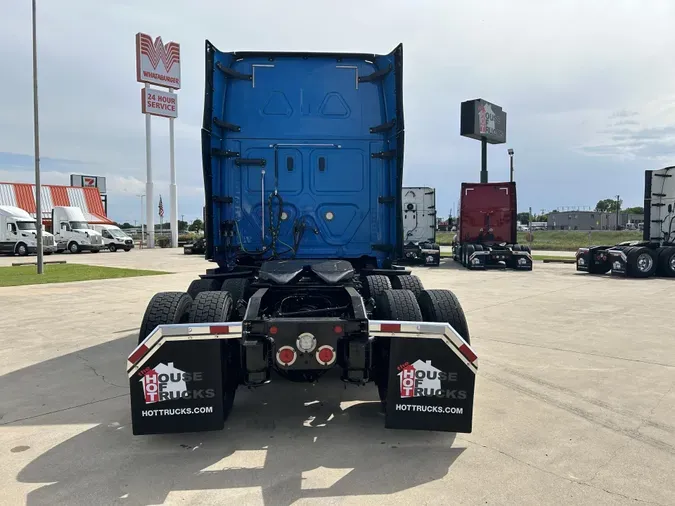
point(565, 478)
point(86, 363)
point(553, 348)
point(64, 409)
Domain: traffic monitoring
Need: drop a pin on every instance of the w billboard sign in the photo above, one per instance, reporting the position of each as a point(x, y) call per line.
point(157, 63)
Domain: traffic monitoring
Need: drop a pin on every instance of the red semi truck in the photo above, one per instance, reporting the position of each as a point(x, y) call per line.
point(487, 234)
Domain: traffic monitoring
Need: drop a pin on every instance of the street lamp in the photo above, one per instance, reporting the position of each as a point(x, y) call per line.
point(141, 197)
point(511, 157)
point(36, 134)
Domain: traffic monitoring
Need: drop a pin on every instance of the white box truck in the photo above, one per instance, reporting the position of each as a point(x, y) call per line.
point(419, 226)
point(18, 233)
point(72, 232)
point(114, 238)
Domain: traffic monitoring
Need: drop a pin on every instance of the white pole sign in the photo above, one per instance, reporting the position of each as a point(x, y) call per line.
point(159, 103)
point(159, 64)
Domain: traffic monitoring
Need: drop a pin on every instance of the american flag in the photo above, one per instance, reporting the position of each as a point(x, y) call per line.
point(161, 207)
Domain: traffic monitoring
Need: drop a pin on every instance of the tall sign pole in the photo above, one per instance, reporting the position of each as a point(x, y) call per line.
point(173, 193)
point(486, 123)
point(149, 190)
point(36, 133)
point(159, 64)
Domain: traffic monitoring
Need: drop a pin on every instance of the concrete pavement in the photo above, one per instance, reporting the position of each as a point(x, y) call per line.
point(575, 404)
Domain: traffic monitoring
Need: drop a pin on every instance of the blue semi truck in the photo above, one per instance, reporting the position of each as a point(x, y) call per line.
point(303, 171)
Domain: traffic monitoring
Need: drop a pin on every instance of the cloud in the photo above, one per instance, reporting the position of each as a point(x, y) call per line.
point(561, 88)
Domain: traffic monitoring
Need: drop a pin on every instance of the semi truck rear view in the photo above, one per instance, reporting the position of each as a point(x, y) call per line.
point(655, 254)
point(303, 165)
point(487, 232)
point(419, 226)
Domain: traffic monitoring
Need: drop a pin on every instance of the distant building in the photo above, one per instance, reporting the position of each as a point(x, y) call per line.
point(591, 220)
point(22, 195)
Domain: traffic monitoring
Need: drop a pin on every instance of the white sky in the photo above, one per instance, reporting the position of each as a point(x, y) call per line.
point(589, 88)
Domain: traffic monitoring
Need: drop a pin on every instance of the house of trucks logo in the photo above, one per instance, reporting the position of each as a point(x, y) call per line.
point(487, 119)
point(422, 379)
point(165, 382)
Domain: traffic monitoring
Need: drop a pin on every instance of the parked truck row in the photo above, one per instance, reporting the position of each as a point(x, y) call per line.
point(655, 254)
point(67, 230)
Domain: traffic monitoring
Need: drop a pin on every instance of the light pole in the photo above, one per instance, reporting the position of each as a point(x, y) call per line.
point(36, 134)
point(141, 197)
point(511, 160)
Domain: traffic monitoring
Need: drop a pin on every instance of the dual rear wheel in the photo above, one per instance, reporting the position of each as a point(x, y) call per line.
point(207, 307)
point(407, 300)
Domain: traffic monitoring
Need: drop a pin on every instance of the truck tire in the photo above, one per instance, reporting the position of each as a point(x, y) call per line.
point(238, 288)
point(667, 261)
point(216, 307)
point(376, 285)
point(112, 248)
point(200, 285)
point(165, 308)
point(21, 249)
point(73, 247)
point(641, 262)
point(400, 305)
point(469, 249)
point(211, 307)
point(407, 282)
point(443, 306)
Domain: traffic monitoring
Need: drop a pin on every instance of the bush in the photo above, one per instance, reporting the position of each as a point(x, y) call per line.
point(164, 242)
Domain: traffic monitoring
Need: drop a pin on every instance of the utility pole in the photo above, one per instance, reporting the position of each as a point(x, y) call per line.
point(511, 163)
point(618, 205)
point(36, 134)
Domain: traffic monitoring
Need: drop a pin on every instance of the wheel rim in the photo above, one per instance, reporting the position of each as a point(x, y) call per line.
point(645, 262)
point(22, 249)
point(671, 263)
point(73, 248)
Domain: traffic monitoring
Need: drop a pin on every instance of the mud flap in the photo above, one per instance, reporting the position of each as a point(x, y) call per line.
point(176, 380)
point(619, 262)
point(432, 375)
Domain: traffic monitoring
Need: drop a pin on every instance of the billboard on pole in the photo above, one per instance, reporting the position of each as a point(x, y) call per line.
point(88, 182)
point(482, 120)
point(157, 63)
point(159, 103)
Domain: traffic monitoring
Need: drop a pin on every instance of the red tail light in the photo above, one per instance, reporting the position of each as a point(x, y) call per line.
point(325, 355)
point(286, 355)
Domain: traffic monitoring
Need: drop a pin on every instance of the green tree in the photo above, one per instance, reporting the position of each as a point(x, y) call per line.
point(524, 218)
point(635, 210)
point(196, 226)
point(607, 205)
point(182, 225)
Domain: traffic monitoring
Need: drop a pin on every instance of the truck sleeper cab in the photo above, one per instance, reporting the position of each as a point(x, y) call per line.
point(487, 235)
point(419, 226)
point(18, 233)
point(303, 184)
point(655, 254)
point(72, 232)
